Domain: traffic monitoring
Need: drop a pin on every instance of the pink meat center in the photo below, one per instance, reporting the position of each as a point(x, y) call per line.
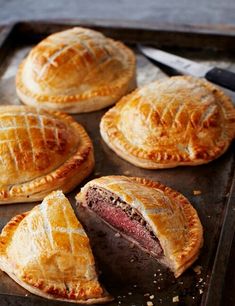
point(105, 206)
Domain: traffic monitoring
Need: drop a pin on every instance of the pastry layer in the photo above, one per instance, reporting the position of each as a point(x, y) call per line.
point(150, 214)
point(171, 122)
point(39, 152)
point(47, 251)
point(77, 70)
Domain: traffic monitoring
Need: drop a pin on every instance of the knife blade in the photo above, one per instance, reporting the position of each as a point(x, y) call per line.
point(216, 75)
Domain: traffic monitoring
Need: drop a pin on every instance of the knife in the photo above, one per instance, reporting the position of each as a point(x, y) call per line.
point(216, 75)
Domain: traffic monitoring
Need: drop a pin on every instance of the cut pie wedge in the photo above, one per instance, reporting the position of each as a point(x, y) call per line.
point(47, 251)
point(158, 219)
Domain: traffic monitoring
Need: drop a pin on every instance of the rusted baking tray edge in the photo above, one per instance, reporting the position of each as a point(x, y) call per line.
point(218, 37)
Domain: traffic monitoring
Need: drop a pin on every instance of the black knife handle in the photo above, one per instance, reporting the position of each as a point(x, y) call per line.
point(221, 77)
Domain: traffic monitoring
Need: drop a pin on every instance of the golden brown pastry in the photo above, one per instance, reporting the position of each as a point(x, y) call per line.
point(40, 151)
point(158, 219)
point(48, 253)
point(77, 70)
point(172, 122)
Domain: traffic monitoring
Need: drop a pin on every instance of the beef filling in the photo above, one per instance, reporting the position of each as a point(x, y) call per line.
point(124, 218)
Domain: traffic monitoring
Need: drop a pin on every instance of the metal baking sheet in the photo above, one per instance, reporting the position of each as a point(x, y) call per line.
point(131, 276)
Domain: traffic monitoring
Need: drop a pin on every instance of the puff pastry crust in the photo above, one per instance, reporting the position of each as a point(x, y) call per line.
point(176, 121)
point(170, 215)
point(40, 151)
point(48, 253)
point(77, 70)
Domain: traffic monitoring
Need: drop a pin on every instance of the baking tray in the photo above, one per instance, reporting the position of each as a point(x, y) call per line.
point(131, 276)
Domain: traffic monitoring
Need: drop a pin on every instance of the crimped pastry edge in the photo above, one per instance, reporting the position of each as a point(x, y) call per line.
point(191, 251)
point(6, 234)
point(85, 102)
point(115, 140)
point(66, 177)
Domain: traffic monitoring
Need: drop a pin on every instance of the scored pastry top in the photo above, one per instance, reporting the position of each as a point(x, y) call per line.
point(175, 121)
point(38, 148)
point(47, 251)
point(169, 214)
point(76, 65)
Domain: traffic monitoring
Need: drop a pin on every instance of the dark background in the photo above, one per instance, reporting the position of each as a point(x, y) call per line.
point(181, 12)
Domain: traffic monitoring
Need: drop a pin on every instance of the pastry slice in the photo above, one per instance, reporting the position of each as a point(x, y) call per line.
point(47, 251)
point(172, 122)
point(40, 151)
point(158, 219)
point(77, 70)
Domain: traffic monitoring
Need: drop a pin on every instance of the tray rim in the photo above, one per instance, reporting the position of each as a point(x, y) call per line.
point(211, 29)
point(221, 259)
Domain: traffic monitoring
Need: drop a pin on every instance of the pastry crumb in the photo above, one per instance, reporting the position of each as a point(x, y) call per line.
point(126, 172)
point(154, 281)
point(175, 299)
point(117, 235)
point(151, 297)
point(197, 192)
point(198, 270)
point(146, 294)
point(155, 274)
point(149, 303)
point(200, 291)
point(129, 293)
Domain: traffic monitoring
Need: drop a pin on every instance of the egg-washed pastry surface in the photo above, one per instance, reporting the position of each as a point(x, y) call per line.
point(47, 251)
point(77, 70)
point(158, 219)
point(40, 151)
point(176, 121)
